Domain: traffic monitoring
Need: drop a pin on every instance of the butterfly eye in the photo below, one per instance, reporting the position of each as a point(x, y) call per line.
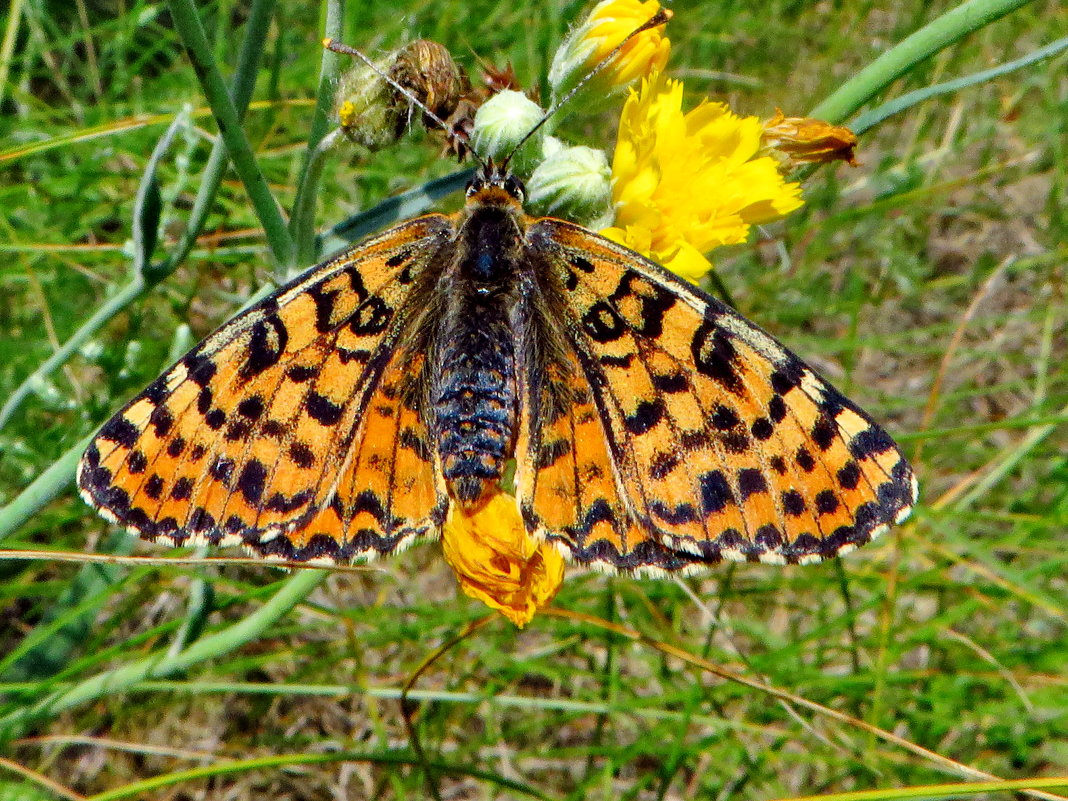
point(514, 187)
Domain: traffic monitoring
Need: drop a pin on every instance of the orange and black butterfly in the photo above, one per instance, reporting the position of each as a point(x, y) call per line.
point(652, 427)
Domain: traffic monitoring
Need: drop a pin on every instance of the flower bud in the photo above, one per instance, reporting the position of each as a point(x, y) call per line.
point(610, 22)
point(501, 123)
point(572, 182)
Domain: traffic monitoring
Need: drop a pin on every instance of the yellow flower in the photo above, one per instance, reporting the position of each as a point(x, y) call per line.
point(684, 183)
point(800, 140)
point(610, 22)
point(498, 562)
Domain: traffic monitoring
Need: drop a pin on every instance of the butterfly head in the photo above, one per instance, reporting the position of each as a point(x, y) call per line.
point(495, 185)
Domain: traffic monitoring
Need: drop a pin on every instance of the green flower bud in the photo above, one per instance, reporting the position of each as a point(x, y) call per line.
point(574, 183)
point(501, 123)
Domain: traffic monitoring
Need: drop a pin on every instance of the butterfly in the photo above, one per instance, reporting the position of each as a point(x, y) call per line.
point(651, 426)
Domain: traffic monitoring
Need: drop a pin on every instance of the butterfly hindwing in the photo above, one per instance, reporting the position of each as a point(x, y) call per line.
point(262, 433)
point(568, 487)
point(723, 444)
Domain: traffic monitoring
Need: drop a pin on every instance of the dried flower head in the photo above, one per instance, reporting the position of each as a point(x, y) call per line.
point(498, 562)
point(803, 140)
point(373, 113)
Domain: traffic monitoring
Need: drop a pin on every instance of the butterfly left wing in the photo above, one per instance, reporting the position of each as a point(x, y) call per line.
point(275, 431)
point(720, 443)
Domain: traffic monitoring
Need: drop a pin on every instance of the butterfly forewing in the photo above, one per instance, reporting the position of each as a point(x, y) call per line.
point(268, 426)
point(723, 444)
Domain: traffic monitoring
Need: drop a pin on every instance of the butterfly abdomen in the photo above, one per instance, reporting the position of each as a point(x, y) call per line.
point(473, 391)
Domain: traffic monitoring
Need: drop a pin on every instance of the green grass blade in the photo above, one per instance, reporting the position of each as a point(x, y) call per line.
point(936, 35)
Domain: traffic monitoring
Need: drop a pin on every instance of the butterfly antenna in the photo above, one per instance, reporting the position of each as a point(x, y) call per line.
point(659, 18)
point(337, 47)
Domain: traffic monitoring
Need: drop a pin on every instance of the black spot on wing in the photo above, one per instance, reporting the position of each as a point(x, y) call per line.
point(323, 410)
point(162, 421)
point(205, 399)
point(662, 464)
point(787, 375)
point(222, 470)
point(251, 407)
point(302, 373)
point(870, 442)
point(325, 302)
point(849, 475)
point(252, 480)
point(671, 384)
point(397, 259)
point(301, 455)
point(237, 430)
point(283, 504)
point(654, 303)
point(609, 360)
point(826, 502)
point(412, 441)
point(371, 317)
point(645, 416)
point(182, 489)
point(824, 432)
point(583, 264)
point(750, 482)
point(762, 428)
point(674, 515)
point(201, 369)
point(715, 492)
point(267, 342)
point(153, 488)
point(793, 503)
point(716, 357)
point(120, 430)
point(735, 442)
point(769, 537)
point(550, 452)
point(777, 409)
point(602, 323)
point(136, 462)
point(724, 417)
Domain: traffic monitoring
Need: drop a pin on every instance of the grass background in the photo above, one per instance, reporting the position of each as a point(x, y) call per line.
point(928, 283)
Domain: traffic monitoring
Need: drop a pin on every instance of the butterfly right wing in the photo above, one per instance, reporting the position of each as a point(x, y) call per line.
point(720, 442)
point(268, 433)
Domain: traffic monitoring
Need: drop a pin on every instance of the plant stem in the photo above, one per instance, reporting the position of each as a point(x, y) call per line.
point(302, 221)
point(187, 23)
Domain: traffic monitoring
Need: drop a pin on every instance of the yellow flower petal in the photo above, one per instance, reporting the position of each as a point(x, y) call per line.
point(610, 22)
point(498, 562)
point(687, 182)
point(689, 263)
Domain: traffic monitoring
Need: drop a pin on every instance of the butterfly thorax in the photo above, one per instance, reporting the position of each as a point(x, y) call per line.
point(473, 394)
